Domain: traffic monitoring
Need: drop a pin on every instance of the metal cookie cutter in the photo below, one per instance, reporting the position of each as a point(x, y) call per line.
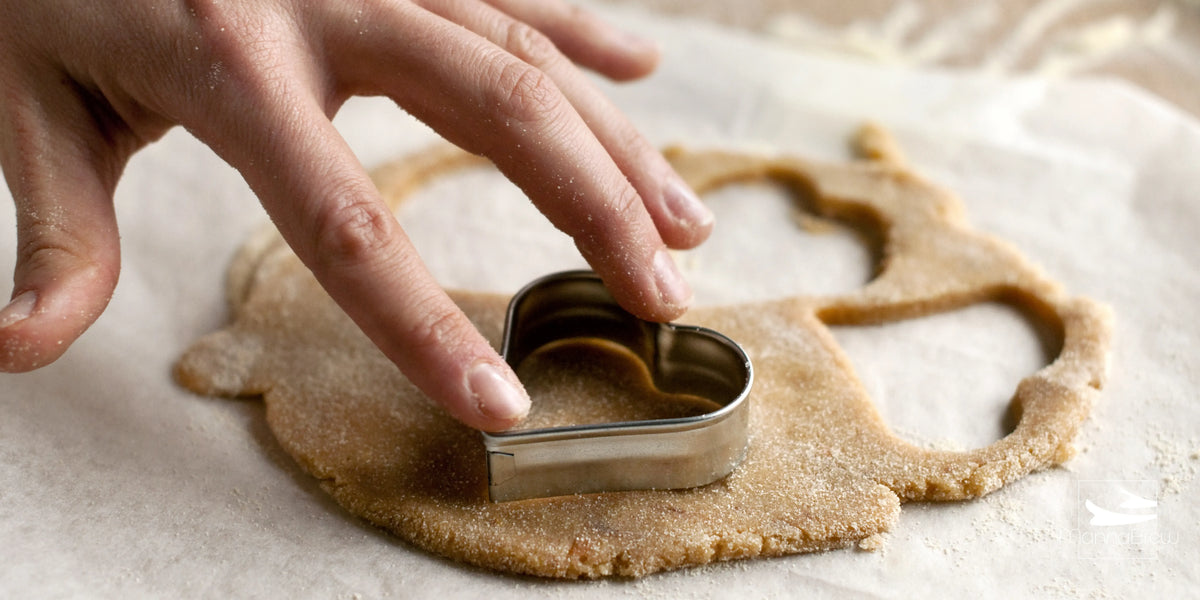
point(655, 454)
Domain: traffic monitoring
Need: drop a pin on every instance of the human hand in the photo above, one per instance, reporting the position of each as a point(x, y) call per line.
point(86, 84)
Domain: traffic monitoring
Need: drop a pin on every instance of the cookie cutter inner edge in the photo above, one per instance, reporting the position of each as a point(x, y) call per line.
point(671, 453)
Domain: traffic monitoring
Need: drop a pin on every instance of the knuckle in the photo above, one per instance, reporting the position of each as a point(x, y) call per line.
point(625, 201)
point(437, 330)
point(530, 45)
point(41, 250)
point(54, 251)
point(42, 238)
point(633, 143)
point(607, 225)
point(241, 53)
point(525, 94)
point(352, 231)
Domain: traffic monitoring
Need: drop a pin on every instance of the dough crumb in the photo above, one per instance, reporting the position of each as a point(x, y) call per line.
point(873, 543)
point(873, 142)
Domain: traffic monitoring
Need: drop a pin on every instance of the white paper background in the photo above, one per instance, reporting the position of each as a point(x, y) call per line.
point(114, 482)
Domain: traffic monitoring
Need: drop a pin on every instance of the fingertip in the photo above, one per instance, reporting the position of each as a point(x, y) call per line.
point(20, 308)
point(15, 354)
point(674, 293)
point(689, 222)
point(30, 337)
point(498, 400)
point(55, 306)
point(594, 43)
point(635, 58)
point(653, 291)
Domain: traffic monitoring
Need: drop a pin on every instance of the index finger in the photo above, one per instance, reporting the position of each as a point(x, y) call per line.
point(325, 206)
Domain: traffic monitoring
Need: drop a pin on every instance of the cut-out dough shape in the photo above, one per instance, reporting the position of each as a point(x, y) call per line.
point(822, 471)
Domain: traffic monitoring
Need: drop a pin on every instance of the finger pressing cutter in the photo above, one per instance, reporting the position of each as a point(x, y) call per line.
point(655, 454)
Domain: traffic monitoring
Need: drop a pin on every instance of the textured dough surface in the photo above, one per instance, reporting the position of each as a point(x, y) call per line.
point(822, 471)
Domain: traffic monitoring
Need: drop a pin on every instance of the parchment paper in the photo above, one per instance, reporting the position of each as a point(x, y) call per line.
point(116, 483)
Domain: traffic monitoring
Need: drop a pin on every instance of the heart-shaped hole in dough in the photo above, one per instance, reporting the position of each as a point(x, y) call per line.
point(944, 381)
point(771, 242)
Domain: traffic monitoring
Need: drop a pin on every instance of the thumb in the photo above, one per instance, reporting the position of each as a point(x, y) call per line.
point(62, 171)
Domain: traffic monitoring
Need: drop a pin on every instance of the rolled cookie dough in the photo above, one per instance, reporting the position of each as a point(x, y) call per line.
point(822, 471)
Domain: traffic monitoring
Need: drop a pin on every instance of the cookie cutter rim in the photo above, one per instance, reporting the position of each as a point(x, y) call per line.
point(672, 453)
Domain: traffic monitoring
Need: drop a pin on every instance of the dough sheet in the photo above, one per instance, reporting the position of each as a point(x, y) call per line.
point(823, 470)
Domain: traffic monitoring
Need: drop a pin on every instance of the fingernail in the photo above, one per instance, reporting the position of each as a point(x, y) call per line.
point(685, 205)
point(634, 41)
point(18, 309)
point(495, 395)
point(672, 289)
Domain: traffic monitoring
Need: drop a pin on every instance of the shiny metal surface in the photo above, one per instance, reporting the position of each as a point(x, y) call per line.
point(655, 454)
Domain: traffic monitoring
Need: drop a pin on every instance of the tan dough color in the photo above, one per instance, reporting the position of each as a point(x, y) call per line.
point(823, 471)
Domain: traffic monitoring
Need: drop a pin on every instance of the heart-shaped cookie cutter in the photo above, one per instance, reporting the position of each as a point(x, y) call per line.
point(636, 455)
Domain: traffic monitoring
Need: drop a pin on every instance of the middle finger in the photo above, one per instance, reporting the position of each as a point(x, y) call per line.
point(680, 217)
point(488, 101)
